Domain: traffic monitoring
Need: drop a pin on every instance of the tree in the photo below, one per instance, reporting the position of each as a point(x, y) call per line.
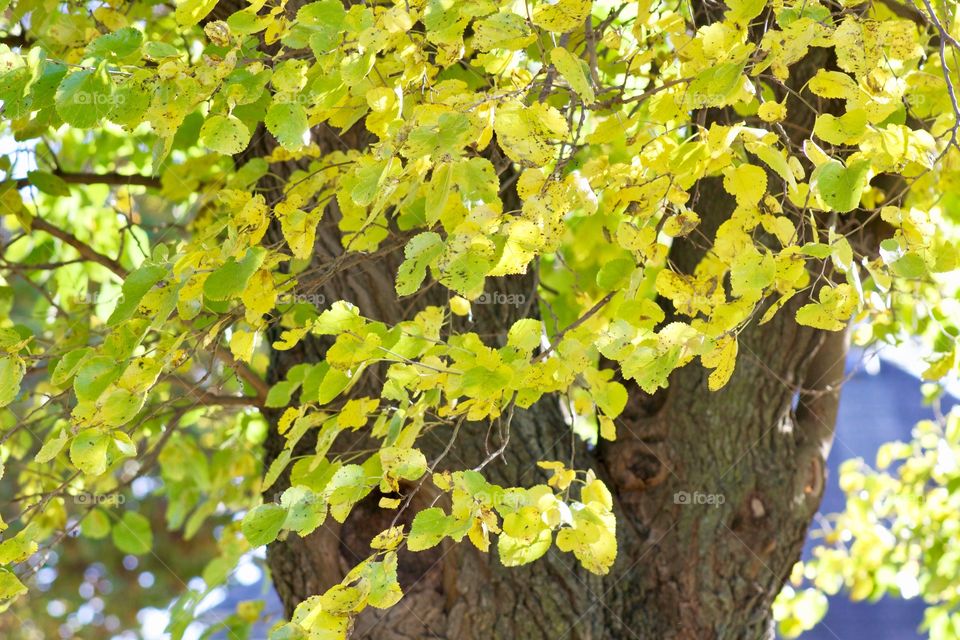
point(429, 290)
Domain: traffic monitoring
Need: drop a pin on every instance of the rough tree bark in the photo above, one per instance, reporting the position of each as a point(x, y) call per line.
point(703, 571)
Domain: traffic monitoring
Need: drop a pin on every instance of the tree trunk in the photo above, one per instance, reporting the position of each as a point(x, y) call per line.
point(713, 490)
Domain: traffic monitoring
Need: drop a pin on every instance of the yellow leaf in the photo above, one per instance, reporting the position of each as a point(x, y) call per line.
point(747, 183)
point(562, 16)
point(572, 69)
point(772, 111)
point(721, 359)
point(459, 306)
point(528, 134)
point(241, 344)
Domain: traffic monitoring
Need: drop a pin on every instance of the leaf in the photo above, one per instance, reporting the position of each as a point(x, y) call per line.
point(118, 407)
point(242, 344)
point(833, 84)
point(299, 229)
point(420, 251)
point(400, 463)
point(751, 272)
point(19, 547)
point(772, 111)
point(48, 183)
point(12, 369)
point(831, 313)
point(721, 359)
point(515, 552)
point(847, 129)
point(10, 586)
point(85, 97)
point(528, 134)
point(743, 11)
point(263, 523)
point(323, 21)
point(280, 394)
point(347, 487)
point(135, 286)
point(51, 448)
point(561, 16)
point(504, 30)
point(133, 534)
point(122, 43)
point(231, 279)
point(615, 274)
point(88, 451)
point(96, 525)
point(714, 86)
point(573, 71)
point(94, 376)
point(306, 510)
point(841, 187)
point(287, 121)
point(224, 134)
point(429, 527)
point(190, 12)
point(747, 183)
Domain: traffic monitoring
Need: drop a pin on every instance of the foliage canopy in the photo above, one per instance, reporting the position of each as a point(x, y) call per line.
point(161, 217)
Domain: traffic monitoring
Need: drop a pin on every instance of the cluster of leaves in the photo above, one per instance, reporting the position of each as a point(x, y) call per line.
point(897, 536)
point(505, 137)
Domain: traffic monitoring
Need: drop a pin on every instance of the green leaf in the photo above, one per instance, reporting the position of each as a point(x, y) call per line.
point(96, 525)
point(88, 451)
point(615, 274)
point(841, 187)
point(51, 448)
point(428, 528)
point(160, 50)
point(85, 97)
point(420, 251)
point(119, 407)
point(136, 285)
point(515, 552)
point(48, 183)
point(306, 510)
point(323, 21)
point(119, 44)
point(346, 488)
point(19, 547)
point(12, 369)
point(714, 86)
point(224, 134)
point(94, 376)
point(280, 394)
point(262, 524)
point(403, 463)
point(10, 586)
point(287, 121)
point(132, 534)
point(231, 279)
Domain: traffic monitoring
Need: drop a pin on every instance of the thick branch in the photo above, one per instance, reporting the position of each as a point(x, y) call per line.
point(100, 178)
point(86, 251)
